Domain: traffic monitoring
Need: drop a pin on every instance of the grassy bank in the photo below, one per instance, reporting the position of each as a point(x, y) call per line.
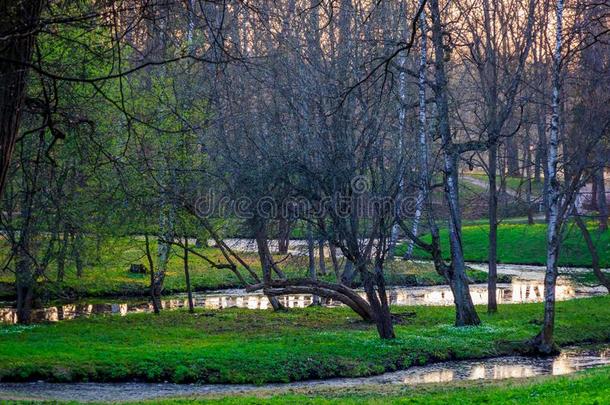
point(526, 244)
point(108, 275)
point(238, 346)
point(588, 387)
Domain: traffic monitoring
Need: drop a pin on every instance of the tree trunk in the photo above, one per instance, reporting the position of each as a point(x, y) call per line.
point(337, 292)
point(415, 225)
point(465, 311)
point(77, 253)
point(528, 175)
point(266, 261)
point(377, 299)
point(61, 255)
point(333, 257)
point(603, 279)
point(402, 89)
point(349, 273)
point(18, 21)
point(601, 200)
point(312, 260)
point(544, 341)
point(24, 283)
point(538, 162)
point(163, 249)
point(283, 236)
point(187, 276)
point(492, 275)
point(422, 130)
point(154, 288)
point(542, 162)
point(512, 158)
point(321, 262)
point(594, 192)
point(24, 269)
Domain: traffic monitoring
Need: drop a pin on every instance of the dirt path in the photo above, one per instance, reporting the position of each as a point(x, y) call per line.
point(484, 185)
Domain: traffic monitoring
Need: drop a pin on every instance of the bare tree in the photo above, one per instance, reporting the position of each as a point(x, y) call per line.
point(493, 47)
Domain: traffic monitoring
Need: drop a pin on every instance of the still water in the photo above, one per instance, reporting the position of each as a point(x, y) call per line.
point(570, 360)
point(518, 291)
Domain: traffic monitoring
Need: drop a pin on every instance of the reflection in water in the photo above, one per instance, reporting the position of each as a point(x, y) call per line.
point(569, 361)
point(518, 291)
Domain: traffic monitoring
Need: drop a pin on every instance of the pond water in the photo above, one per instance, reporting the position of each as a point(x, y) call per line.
point(569, 361)
point(518, 291)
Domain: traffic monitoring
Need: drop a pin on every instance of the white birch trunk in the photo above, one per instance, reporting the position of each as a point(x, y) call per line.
point(402, 86)
point(423, 133)
point(544, 341)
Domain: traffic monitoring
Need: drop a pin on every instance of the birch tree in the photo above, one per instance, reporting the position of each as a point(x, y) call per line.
point(544, 341)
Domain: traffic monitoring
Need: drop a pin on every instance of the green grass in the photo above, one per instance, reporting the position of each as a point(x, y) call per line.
point(109, 276)
point(588, 387)
point(525, 244)
point(241, 346)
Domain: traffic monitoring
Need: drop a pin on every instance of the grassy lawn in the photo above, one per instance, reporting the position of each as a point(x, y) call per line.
point(588, 387)
point(239, 346)
point(109, 276)
point(526, 244)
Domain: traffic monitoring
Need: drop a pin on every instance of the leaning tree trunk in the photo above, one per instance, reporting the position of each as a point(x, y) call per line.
point(544, 341)
point(601, 277)
point(18, 28)
point(320, 288)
